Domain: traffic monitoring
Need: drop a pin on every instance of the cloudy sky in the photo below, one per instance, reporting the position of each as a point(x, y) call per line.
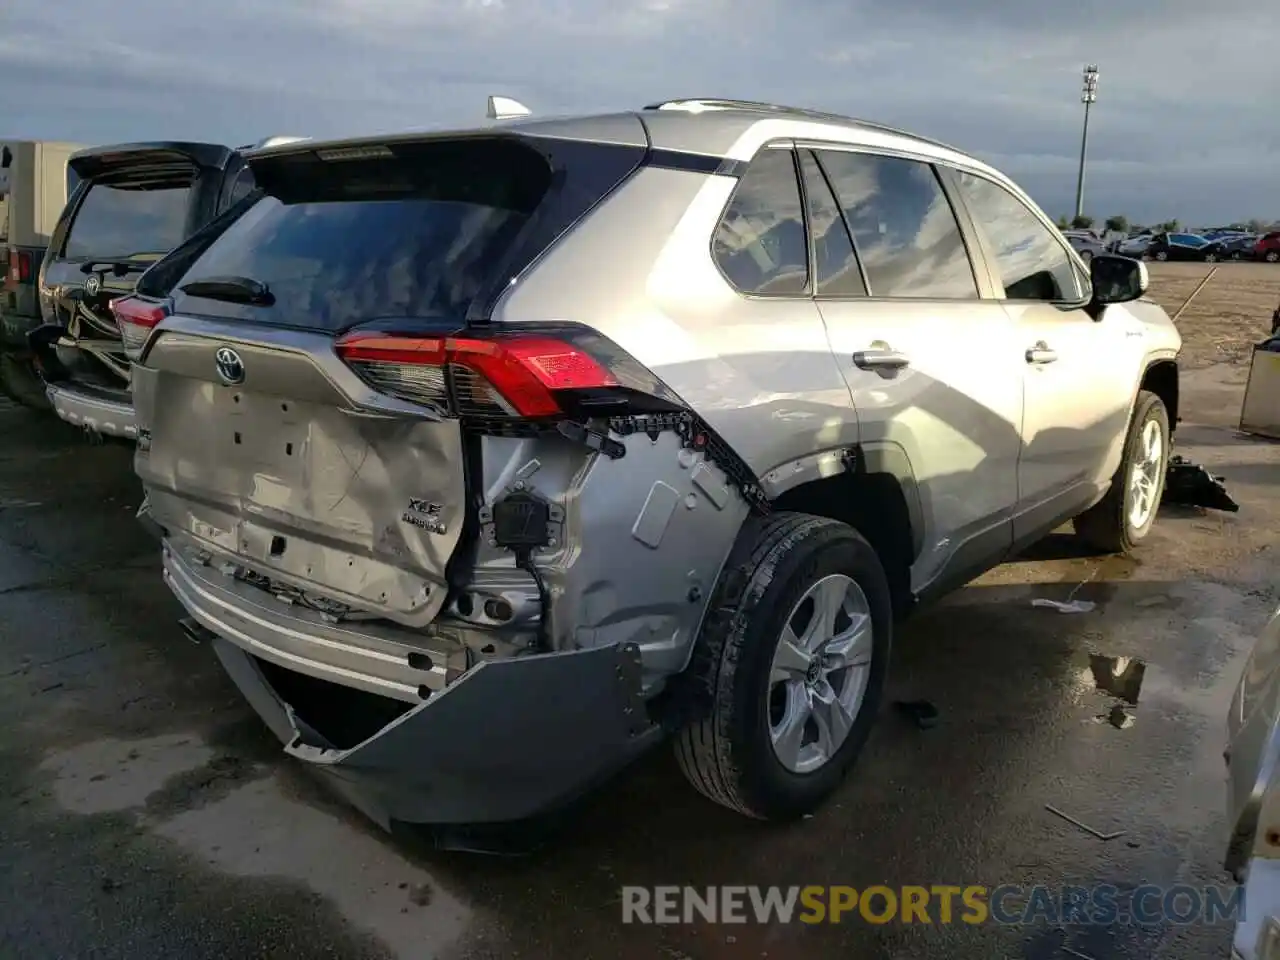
point(1187, 124)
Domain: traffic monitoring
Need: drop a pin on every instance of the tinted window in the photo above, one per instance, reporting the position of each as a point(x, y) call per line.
point(835, 264)
point(760, 243)
point(73, 181)
point(904, 228)
point(124, 221)
point(339, 243)
point(239, 188)
point(1032, 262)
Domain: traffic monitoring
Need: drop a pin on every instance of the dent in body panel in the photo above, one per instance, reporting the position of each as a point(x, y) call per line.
point(758, 371)
point(309, 489)
point(627, 581)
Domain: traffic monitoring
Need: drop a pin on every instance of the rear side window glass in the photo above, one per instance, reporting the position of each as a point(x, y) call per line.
point(903, 226)
point(127, 221)
point(760, 244)
point(834, 262)
point(1032, 261)
point(338, 242)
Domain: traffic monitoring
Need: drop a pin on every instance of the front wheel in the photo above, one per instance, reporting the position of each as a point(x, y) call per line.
point(1162, 255)
point(1210, 258)
point(1271, 256)
point(789, 669)
point(1122, 519)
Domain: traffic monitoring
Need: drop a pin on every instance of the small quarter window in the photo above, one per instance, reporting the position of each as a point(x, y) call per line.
point(760, 244)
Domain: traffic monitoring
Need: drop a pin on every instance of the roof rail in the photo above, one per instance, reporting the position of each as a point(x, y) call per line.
point(693, 104)
point(276, 141)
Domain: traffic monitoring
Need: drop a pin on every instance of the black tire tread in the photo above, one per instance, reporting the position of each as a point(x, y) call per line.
point(703, 746)
point(1103, 526)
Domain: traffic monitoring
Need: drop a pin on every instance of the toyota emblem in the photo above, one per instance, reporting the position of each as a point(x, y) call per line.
point(92, 284)
point(229, 365)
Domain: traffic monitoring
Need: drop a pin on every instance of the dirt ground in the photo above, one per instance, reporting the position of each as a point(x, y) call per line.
point(1230, 314)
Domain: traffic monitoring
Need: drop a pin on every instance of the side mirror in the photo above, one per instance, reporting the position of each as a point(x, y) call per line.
point(1117, 279)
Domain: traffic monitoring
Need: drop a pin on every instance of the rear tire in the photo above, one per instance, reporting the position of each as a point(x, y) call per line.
point(1271, 256)
point(746, 746)
point(1122, 519)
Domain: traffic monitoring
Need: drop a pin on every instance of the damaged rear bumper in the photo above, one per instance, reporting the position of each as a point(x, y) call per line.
point(436, 740)
point(510, 740)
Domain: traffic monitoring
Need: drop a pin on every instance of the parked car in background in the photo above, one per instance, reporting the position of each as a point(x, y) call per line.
point(1268, 248)
point(425, 426)
point(1134, 246)
point(134, 203)
point(1230, 247)
point(1253, 797)
point(1176, 246)
point(35, 182)
point(1087, 245)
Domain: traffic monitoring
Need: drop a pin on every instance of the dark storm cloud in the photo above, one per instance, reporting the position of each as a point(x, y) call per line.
point(1185, 126)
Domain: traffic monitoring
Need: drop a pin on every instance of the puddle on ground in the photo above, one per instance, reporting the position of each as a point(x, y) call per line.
point(1117, 716)
point(1118, 676)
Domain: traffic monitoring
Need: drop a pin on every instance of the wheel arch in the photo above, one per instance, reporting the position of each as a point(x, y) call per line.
point(871, 487)
point(1161, 378)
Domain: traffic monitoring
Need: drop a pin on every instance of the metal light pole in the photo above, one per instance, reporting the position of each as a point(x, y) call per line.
point(1088, 96)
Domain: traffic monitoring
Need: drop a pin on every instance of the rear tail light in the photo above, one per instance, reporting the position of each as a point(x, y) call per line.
point(517, 377)
point(136, 318)
point(20, 268)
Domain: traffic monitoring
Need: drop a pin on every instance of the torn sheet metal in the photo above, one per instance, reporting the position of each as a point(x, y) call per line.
point(1191, 485)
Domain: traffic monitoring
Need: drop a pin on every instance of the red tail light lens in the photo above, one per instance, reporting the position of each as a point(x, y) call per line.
point(20, 268)
point(515, 376)
point(136, 318)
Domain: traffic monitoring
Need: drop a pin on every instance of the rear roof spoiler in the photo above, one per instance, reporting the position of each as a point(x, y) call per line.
point(122, 157)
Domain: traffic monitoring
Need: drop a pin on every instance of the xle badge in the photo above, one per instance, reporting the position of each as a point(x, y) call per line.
point(424, 514)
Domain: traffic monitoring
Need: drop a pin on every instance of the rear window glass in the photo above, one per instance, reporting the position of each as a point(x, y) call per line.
point(339, 242)
point(124, 221)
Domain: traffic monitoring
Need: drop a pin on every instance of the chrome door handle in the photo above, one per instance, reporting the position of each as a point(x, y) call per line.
point(880, 359)
point(1041, 353)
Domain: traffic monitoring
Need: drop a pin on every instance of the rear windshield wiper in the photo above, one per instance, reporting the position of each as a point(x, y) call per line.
point(230, 290)
point(119, 266)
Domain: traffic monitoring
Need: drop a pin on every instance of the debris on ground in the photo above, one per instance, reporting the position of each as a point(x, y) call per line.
point(920, 712)
point(1083, 826)
point(1064, 606)
point(1191, 485)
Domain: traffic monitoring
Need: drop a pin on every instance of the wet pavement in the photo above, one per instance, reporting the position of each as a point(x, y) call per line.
point(146, 813)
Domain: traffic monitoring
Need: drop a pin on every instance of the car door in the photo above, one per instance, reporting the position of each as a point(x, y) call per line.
point(928, 359)
point(1077, 372)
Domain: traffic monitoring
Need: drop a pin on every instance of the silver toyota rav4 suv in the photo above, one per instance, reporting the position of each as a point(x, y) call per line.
point(486, 460)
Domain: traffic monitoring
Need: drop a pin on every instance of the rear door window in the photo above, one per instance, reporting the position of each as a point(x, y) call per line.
point(835, 263)
point(903, 226)
point(760, 244)
point(119, 221)
point(417, 234)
